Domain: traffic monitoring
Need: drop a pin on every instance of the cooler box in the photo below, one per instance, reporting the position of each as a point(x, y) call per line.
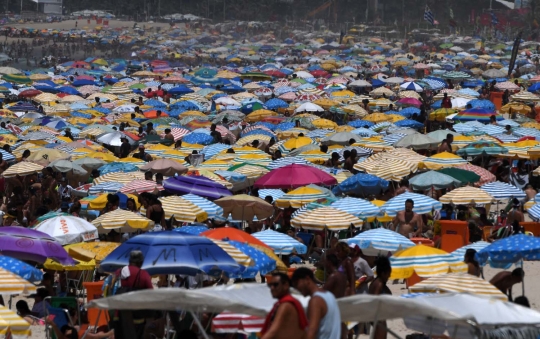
point(93, 291)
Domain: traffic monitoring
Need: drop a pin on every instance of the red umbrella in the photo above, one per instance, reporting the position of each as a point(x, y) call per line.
point(410, 102)
point(152, 114)
point(275, 73)
point(85, 77)
point(80, 64)
point(232, 323)
point(293, 176)
point(29, 93)
point(231, 233)
point(320, 73)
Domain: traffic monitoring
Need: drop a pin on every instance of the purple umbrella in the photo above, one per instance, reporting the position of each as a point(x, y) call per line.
point(27, 244)
point(198, 185)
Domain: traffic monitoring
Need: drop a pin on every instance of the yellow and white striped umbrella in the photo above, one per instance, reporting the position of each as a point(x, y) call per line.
point(235, 253)
point(388, 169)
point(467, 195)
point(458, 283)
point(425, 261)
point(300, 196)
point(10, 284)
point(122, 221)
point(181, 209)
point(123, 178)
point(377, 144)
point(325, 218)
point(443, 160)
point(22, 169)
point(11, 323)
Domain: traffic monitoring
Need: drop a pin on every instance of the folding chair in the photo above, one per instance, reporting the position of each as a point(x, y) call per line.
point(61, 318)
point(451, 242)
point(455, 227)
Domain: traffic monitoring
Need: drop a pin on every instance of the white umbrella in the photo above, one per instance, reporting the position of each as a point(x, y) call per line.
point(113, 139)
point(68, 229)
point(127, 108)
point(89, 163)
point(309, 107)
point(65, 166)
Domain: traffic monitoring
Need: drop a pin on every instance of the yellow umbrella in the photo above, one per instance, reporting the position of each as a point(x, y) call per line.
point(458, 283)
point(107, 157)
point(300, 196)
point(461, 141)
point(467, 195)
point(181, 210)
point(9, 139)
point(96, 250)
point(377, 117)
point(100, 202)
point(315, 156)
point(46, 97)
point(441, 114)
point(376, 143)
point(344, 128)
point(10, 284)
point(425, 261)
point(122, 221)
point(515, 107)
point(22, 169)
point(324, 124)
point(86, 264)
point(325, 103)
point(11, 323)
point(295, 143)
point(443, 160)
point(123, 178)
point(259, 115)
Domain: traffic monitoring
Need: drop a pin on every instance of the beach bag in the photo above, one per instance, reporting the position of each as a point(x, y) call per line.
point(138, 314)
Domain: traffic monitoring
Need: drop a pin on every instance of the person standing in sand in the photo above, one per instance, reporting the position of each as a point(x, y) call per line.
point(287, 319)
point(336, 281)
point(408, 223)
point(505, 280)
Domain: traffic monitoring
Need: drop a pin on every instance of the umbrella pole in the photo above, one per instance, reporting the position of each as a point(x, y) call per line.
point(375, 323)
point(198, 322)
point(522, 280)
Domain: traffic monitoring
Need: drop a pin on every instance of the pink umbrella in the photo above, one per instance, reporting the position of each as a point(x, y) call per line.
point(232, 323)
point(293, 176)
point(410, 102)
point(141, 186)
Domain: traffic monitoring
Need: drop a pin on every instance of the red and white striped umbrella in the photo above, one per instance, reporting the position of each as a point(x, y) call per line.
point(141, 186)
point(263, 92)
point(321, 81)
point(179, 133)
point(233, 322)
point(14, 128)
point(289, 96)
point(307, 97)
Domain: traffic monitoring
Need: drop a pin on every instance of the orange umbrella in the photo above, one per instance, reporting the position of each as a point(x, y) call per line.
point(234, 234)
point(152, 114)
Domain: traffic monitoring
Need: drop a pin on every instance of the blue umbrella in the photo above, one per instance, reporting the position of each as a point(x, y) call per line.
point(409, 111)
point(180, 90)
point(361, 184)
point(535, 87)
point(105, 187)
point(422, 204)
point(68, 90)
point(485, 104)
point(276, 103)
point(113, 167)
point(263, 263)
point(409, 123)
point(510, 250)
point(193, 230)
point(381, 240)
point(21, 269)
point(170, 252)
point(198, 138)
point(358, 207)
point(281, 243)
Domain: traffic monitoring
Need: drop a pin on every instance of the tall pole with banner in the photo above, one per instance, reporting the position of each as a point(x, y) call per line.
point(515, 50)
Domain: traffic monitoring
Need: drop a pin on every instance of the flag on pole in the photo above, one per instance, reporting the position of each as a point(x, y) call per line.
point(428, 16)
point(494, 19)
point(451, 13)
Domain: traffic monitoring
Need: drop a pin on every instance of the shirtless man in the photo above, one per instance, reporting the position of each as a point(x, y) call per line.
point(287, 319)
point(514, 214)
point(446, 144)
point(505, 280)
point(530, 191)
point(336, 281)
point(407, 222)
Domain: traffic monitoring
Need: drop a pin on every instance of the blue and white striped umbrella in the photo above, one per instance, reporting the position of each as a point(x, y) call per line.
point(393, 138)
point(319, 133)
point(463, 128)
point(287, 161)
point(527, 132)
point(7, 156)
point(209, 207)
point(501, 190)
point(478, 246)
point(274, 193)
point(534, 212)
point(422, 204)
point(506, 138)
point(106, 187)
point(262, 262)
point(411, 86)
point(491, 129)
point(358, 207)
point(364, 132)
point(281, 243)
point(211, 150)
point(380, 241)
point(506, 122)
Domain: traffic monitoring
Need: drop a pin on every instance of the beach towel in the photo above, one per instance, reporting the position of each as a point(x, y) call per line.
point(302, 319)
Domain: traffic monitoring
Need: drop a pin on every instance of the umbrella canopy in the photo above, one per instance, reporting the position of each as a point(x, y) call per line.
point(181, 210)
point(68, 229)
point(227, 322)
point(417, 141)
point(501, 190)
point(293, 176)
point(245, 207)
point(467, 195)
point(170, 252)
point(510, 250)
point(21, 269)
point(263, 263)
point(300, 196)
point(22, 169)
point(166, 167)
point(442, 160)
point(281, 243)
point(380, 241)
point(27, 244)
point(387, 168)
point(485, 175)
point(11, 283)
point(198, 185)
point(458, 283)
point(422, 204)
point(12, 323)
point(482, 147)
point(358, 207)
point(425, 261)
point(323, 218)
point(361, 184)
point(122, 221)
point(234, 234)
point(433, 179)
point(461, 175)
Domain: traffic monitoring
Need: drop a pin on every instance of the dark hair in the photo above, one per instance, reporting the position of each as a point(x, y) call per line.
point(409, 201)
point(22, 305)
point(269, 199)
point(521, 300)
point(302, 273)
point(333, 259)
point(518, 272)
point(470, 255)
point(383, 265)
point(449, 136)
point(283, 277)
point(324, 148)
point(113, 199)
point(73, 335)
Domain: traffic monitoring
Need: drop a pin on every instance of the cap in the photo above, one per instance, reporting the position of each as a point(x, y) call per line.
point(40, 292)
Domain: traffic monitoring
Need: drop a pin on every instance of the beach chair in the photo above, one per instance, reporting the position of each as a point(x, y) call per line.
point(61, 318)
point(486, 232)
point(455, 227)
point(96, 318)
point(533, 227)
point(451, 242)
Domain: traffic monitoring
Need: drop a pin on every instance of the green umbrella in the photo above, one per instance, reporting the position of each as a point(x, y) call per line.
point(482, 147)
point(456, 75)
point(447, 45)
point(466, 177)
point(17, 78)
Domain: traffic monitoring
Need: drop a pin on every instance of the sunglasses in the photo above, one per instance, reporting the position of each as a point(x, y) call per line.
point(274, 284)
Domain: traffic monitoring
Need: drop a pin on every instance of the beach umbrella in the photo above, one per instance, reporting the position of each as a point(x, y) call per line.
point(282, 162)
point(141, 186)
point(209, 207)
point(442, 160)
point(21, 269)
point(482, 147)
point(169, 252)
point(11, 283)
point(105, 187)
point(341, 138)
point(194, 230)
point(233, 234)
point(68, 230)
point(425, 261)
point(501, 190)
point(65, 166)
point(422, 204)
point(477, 246)
point(245, 207)
point(13, 325)
point(477, 114)
point(281, 243)
point(387, 168)
point(22, 169)
point(122, 221)
point(380, 241)
point(433, 180)
point(417, 141)
point(325, 218)
point(300, 196)
point(96, 251)
point(458, 283)
point(89, 163)
point(114, 167)
point(31, 245)
point(461, 175)
point(227, 322)
point(358, 207)
point(262, 263)
point(510, 250)
point(467, 195)
point(361, 184)
point(181, 210)
point(198, 185)
point(293, 176)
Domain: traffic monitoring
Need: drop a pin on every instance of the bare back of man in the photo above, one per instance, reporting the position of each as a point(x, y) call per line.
point(285, 324)
point(336, 284)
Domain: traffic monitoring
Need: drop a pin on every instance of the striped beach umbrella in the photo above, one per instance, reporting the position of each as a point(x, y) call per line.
point(22, 169)
point(233, 322)
point(485, 175)
point(467, 195)
point(422, 204)
point(425, 261)
point(376, 143)
point(181, 210)
point(206, 205)
point(141, 186)
point(11, 283)
point(300, 196)
point(119, 177)
point(442, 160)
point(274, 193)
point(281, 162)
point(501, 190)
point(122, 221)
point(358, 207)
point(380, 241)
point(325, 218)
point(12, 325)
point(234, 252)
point(458, 283)
point(478, 246)
point(387, 169)
point(105, 187)
point(281, 243)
